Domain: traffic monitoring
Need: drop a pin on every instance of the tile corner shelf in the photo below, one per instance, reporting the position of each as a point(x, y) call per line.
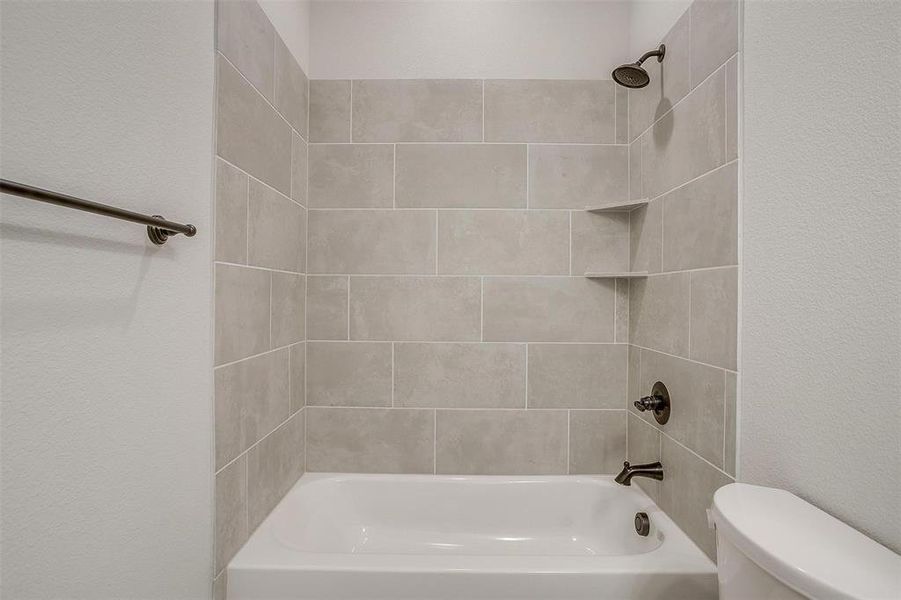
point(616, 275)
point(618, 206)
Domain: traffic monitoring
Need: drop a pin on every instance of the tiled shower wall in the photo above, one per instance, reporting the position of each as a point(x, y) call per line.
point(450, 329)
point(260, 242)
point(683, 317)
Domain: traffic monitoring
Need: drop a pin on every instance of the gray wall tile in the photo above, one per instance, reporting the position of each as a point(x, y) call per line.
point(292, 97)
point(732, 109)
point(714, 317)
point(349, 374)
point(687, 491)
point(372, 241)
point(287, 320)
point(326, 307)
point(548, 309)
point(250, 133)
point(577, 376)
point(231, 214)
point(621, 312)
point(242, 312)
point(220, 586)
point(659, 313)
point(544, 110)
point(634, 387)
point(646, 237)
point(597, 441)
point(501, 242)
point(246, 37)
point(415, 308)
point(635, 188)
point(696, 392)
point(251, 400)
point(669, 81)
point(273, 466)
point(329, 110)
point(729, 458)
point(298, 376)
point(700, 222)
point(714, 36)
point(576, 176)
point(460, 375)
point(461, 175)
point(509, 442)
point(276, 230)
point(231, 511)
point(299, 154)
point(644, 447)
point(688, 141)
point(622, 114)
point(600, 242)
point(351, 176)
point(370, 440)
point(417, 110)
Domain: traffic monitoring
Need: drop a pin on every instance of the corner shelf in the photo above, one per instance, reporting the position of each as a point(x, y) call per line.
point(629, 205)
point(617, 275)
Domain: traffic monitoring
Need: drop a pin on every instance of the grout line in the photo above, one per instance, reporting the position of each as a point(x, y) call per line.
point(481, 309)
point(434, 441)
point(436, 243)
point(394, 177)
point(527, 376)
point(348, 307)
point(528, 175)
point(483, 110)
point(393, 375)
point(685, 358)
point(569, 417)
point(515, 142)
point(263, 183)
point(570, 242)
point(449, 341)
point(351, 125)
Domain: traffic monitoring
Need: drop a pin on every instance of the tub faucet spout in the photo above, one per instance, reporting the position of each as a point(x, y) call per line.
point(651, 470)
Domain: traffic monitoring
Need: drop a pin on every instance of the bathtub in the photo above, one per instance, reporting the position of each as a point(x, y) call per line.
point(446, 537)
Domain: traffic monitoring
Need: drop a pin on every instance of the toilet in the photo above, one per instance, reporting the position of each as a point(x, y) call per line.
point(772, 545)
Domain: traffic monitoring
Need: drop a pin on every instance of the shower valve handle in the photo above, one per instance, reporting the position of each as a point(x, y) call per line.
point(650, 403)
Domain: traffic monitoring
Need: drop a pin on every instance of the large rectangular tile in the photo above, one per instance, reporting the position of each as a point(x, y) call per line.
point(250, 133)
point(687, 491)
point(546, 110)
point(273, 466)
point(576, 176)
point(460, 375)
point(597, 441)
point(327, 307)
point(646, 237)
point(372, 241)
point(577, 376)
point(298, 376)
point(415, 308)
point(714, 36)
point(349, 374)
point(251, 400)
point(417, 110)
point(287, 310)
point(242, 312)
point(292, 98)
point(548, 309)
point(370, 440)
point(731, 416)
point(276, 230)
point(501, 442)
point(330, 110)
point(732, 109)
point(635, 188)
point(659, 313)
point(622, 115)
point(503, 242)
point(231, 511)
point(351, 175)
point(688, 141)
point(246, 37)
point(644, 447)
point(700, 222)
point(670, 80)
point(621, 312)
point(600, 242)
point(697, 395)
point(461, 175)
point(714, 317)
point(231, 214)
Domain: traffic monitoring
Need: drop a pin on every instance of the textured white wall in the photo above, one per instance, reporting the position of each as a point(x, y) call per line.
point(485, 39)
point(821, 368)
point(106, 353)
point(291, 19)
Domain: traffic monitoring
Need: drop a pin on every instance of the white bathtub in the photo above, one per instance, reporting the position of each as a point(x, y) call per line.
point(430, 537)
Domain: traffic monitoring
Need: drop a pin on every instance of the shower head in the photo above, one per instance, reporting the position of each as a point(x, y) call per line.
point(633, 75)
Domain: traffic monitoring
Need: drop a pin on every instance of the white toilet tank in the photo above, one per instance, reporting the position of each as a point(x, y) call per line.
point(772, 545)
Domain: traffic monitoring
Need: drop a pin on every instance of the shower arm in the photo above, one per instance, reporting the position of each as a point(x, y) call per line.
point(659, 52)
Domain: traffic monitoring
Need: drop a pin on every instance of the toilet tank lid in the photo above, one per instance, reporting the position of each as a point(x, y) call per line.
point(804, 547)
